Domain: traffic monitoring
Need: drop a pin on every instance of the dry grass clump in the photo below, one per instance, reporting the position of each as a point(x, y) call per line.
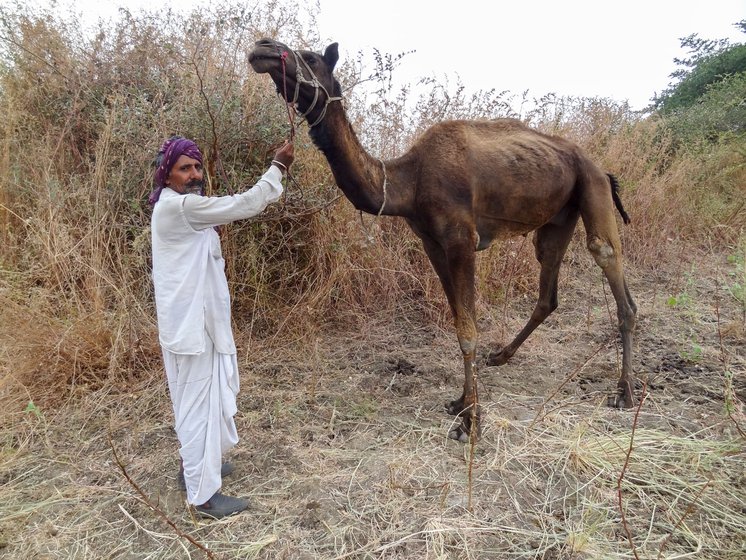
point(82, 119)
point(346, 345)
point(354, 463)
point(83, 115)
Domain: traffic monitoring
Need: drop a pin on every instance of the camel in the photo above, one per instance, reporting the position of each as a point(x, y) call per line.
point(460, 187)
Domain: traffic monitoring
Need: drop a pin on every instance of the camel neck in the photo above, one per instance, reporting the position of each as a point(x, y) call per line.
point(359, 175)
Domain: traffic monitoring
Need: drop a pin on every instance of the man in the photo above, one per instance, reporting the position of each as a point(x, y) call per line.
point(193, 308)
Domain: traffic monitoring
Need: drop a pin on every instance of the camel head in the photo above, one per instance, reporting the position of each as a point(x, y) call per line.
point(303, 78)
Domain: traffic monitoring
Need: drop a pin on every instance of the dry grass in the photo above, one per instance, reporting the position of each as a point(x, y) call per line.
point(344, 453)
point(345, 339)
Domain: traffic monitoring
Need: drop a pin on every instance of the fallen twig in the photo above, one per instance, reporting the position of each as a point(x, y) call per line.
point(473, 435)
point(689, 509)
point(729, 397)
point(154, 507)
point(624, 471)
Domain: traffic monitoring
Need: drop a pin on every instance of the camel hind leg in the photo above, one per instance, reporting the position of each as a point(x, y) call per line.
point(602, 238)
point(550, 243)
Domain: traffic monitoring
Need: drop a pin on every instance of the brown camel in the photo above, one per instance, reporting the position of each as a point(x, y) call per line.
point(460, 187)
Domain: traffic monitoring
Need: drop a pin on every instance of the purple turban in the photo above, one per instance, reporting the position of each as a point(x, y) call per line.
point(171, 150)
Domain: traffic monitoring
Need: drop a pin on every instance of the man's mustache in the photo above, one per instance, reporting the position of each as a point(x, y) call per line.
point(195, 186)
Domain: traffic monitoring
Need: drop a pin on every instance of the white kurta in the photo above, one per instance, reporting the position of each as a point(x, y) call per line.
point(194, 322)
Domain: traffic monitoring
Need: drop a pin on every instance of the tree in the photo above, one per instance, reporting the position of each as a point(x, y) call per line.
point(710, 62)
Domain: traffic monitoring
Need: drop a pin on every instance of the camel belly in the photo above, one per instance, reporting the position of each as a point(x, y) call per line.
point(490, 230)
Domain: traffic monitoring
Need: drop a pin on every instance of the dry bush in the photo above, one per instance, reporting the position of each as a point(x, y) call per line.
point(82, 118)
point(83, 115)
point(76, 164)
point(346, 338)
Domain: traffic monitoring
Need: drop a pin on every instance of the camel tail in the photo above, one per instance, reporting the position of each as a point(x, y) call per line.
point(617, 199)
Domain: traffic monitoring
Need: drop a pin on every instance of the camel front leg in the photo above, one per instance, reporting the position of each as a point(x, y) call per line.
point(455, 269)
point(461, 265)
point(467, 406)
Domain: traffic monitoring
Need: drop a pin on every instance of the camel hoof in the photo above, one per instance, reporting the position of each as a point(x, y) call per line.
point(459, 434)
point(498, 358)
point(466, 428)
point(621, 400)
point(455, 408)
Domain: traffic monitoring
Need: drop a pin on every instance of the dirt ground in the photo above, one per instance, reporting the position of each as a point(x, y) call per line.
point(344, 453)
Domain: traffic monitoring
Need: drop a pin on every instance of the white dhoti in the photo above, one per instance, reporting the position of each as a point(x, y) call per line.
point(203, 391)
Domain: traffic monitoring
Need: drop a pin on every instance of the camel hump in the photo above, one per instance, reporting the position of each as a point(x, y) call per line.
point(459, 127)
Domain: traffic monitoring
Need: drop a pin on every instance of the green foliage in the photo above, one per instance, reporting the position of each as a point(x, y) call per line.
point(692, 353)
point(710, 63)
point(680, 300)
point(31, 408)
point(719, 114)
point(707, 106)
point(683, 299)
point(703, 126)
point(709, 71)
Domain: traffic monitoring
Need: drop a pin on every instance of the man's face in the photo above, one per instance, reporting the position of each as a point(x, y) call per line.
point(186, 176)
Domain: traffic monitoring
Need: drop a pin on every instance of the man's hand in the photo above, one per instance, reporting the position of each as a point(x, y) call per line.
point(284, 156)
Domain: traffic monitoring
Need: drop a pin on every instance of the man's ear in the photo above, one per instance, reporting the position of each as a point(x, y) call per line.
point(331, 55)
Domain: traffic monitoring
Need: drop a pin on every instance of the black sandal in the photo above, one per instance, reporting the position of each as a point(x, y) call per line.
point(220, 506)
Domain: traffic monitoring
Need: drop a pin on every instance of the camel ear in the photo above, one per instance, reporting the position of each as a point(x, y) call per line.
point(331, 55)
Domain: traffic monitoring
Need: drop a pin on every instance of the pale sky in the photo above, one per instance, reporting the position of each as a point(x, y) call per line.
point(622, 50)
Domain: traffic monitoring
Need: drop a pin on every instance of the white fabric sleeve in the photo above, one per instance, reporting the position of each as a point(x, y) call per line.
point(207, 211)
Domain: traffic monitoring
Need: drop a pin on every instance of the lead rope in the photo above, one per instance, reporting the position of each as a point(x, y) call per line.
point(288, 104)
point(368, 234)
point(385, 180)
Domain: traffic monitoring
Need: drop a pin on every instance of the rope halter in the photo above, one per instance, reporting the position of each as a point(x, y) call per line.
point(313, 82)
